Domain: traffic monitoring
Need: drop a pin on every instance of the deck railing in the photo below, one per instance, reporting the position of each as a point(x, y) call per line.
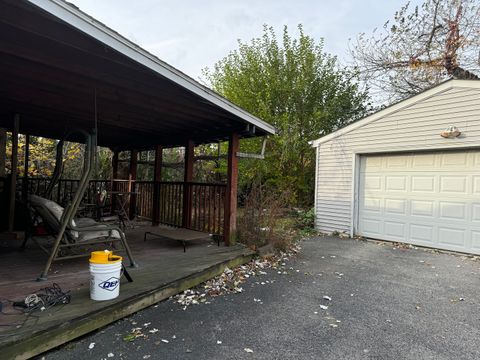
point(194, 205)
point(207, 207)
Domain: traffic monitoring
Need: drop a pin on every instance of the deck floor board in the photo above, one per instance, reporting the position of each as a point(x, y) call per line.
point(160, 263)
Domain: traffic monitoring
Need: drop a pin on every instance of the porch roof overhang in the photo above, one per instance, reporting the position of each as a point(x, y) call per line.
point(61, 69)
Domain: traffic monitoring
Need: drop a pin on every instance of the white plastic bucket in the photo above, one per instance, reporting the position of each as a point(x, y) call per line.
point(105, 280)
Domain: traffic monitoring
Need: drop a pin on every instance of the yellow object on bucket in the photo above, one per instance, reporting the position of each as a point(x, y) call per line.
point(104, 257)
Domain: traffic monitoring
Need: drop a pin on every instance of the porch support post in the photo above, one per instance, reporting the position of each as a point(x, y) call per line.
point(115, 165)
point(114, 177)
point(3, 151)
point(187, 189)
point(25, 166)
point(132, 176)
point(13, 179)
point(230, 213)
point(157, 177)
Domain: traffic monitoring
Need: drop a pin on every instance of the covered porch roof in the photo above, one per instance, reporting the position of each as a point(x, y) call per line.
point(62, 69)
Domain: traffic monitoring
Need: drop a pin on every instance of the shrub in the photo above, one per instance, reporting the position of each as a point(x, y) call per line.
point(262, 220)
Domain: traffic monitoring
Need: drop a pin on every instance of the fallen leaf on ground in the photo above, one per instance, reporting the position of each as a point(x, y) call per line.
point(230, 280)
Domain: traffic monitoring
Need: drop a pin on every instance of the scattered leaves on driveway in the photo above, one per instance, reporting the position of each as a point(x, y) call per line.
point(230, 281)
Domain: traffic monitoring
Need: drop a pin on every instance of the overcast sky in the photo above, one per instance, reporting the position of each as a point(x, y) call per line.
point(193, 34)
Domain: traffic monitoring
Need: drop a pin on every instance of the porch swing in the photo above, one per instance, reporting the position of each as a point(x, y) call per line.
point(72, 233)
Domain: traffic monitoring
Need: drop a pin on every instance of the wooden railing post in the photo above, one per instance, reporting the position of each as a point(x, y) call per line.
point(230, 213)
point(3, 151)
point(157, 177)
point(132, 176)
point(114, 177)
point(13, 174)
point(25, 166)
point(187, 189)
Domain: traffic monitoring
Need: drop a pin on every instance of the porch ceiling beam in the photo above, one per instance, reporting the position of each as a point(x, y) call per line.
point(46, 125)
point(59, 81)
point(69, 100)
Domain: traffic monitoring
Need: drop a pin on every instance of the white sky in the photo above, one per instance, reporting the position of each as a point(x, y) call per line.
point(191, 35)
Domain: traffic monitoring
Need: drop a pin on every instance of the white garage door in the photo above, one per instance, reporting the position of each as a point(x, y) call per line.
point(428, 199)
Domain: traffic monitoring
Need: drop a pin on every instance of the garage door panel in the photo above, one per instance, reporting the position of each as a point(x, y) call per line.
point(475, 235)
point(396, 162)
point(373, 205)
point(372, 226)
point(423, 161)
point(452, 210)
point(430, 199)
point(451, 236)
point(396, 206)
point(423, 183)
point(395, 229)
point(476, 213)
point(454, 159)
point(476, 185)
point(453, 184)
point(395, 183)
point(421, 233)
point(373, 183)
point(423, 208)
point(373, 163)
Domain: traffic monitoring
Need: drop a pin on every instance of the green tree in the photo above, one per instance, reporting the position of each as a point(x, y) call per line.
point(295, 86)
point(420, 47)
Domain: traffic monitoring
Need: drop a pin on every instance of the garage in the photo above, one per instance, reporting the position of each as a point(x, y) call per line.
point(429, 199)
point(407, 173)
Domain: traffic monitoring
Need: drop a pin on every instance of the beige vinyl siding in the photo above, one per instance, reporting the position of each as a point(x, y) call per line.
point(415, 127)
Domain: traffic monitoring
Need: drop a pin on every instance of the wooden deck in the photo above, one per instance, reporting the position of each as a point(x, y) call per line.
point(164, 270)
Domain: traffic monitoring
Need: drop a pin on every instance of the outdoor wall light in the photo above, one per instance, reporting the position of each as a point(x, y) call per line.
point(450, 132)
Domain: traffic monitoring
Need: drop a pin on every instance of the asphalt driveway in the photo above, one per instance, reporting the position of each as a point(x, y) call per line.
point(386, 303)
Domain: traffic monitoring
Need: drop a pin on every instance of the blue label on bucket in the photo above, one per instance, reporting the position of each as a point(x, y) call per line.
point(110, 284)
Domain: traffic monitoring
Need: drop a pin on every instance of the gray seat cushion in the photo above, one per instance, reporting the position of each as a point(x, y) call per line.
point(52, 213)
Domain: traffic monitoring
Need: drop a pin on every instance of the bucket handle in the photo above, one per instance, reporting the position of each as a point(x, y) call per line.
point(114, 257)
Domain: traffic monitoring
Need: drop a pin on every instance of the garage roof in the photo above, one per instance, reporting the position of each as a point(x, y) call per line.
point(61, 68)
point(445, 86)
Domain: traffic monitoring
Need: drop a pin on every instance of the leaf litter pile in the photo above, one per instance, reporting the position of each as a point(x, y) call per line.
point(231, 280)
